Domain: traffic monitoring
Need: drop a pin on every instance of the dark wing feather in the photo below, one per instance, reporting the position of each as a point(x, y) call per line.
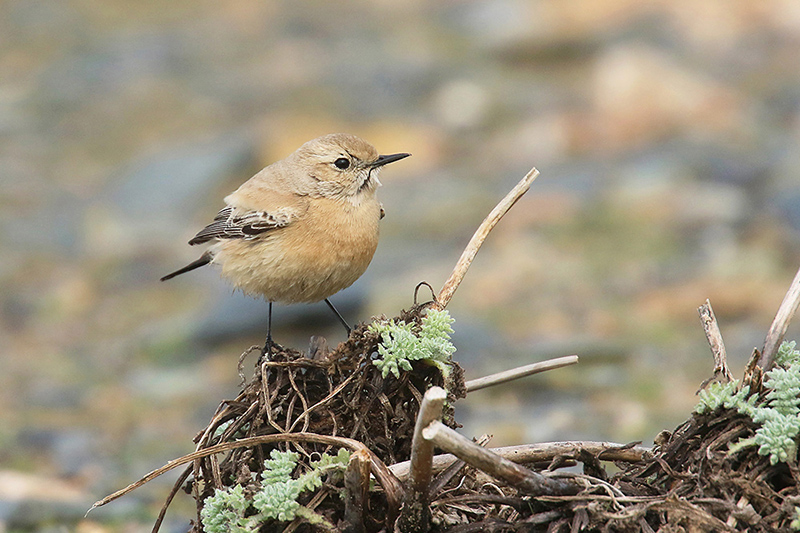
point(231, 224)
point(214, 230)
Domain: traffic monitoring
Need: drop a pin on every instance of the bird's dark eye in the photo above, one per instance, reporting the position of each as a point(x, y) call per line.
point(342, 163)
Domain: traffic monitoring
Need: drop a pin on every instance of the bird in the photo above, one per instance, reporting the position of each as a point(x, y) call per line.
point(301, 229)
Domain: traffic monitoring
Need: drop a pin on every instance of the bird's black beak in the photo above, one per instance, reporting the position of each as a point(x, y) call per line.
point(386, 159)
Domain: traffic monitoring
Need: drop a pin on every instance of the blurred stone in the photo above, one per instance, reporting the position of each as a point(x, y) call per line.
point(370, 83)
point(746, 168)
point(477, 347)
point(28, 501)
point(161, 384)
point(461, 104)
point(642, 94)
point(663, 189)
point(71, 449)
point(160, 194)
point(490, 22)
point(54, 231)
point(75, 451)
point(542, 415)
point(787, 206)
point(543, 141)
point(181, 177)
point(675, 304)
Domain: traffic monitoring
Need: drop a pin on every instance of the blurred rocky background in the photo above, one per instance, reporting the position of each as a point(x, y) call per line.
point(666, 132)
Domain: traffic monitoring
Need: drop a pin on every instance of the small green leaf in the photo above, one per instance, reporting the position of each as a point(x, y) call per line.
point(402, 343)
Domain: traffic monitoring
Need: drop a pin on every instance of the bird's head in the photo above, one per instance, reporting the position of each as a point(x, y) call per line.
point(342, 166)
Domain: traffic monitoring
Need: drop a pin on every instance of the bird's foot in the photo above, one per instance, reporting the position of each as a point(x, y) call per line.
point(266, 352)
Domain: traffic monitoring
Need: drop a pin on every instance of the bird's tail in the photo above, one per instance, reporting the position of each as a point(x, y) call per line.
point(204, 260)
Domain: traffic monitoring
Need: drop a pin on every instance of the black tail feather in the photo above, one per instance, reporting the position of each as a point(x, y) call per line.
point(204, 260)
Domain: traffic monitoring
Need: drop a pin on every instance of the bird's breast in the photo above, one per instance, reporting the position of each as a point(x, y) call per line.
point(321, 253)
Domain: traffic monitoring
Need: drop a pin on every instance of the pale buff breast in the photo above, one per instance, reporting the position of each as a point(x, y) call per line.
point(323, 252)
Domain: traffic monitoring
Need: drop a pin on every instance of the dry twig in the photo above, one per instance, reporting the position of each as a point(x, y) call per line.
point(531, 482)
point(519, 372)
point(391, 485)
point(779, 326)
point(480, 235)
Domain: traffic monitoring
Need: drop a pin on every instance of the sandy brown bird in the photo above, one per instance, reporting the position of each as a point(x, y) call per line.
point(303, 228)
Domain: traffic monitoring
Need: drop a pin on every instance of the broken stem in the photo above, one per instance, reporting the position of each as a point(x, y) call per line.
point(480, 235)
point(714, 336)
point(356, 484)
point(415, 515)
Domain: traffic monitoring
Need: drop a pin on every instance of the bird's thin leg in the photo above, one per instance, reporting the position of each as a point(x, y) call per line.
point(339, 316)
point(267, 351)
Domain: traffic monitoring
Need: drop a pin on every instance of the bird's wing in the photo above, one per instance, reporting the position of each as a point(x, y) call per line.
point(236, 223)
